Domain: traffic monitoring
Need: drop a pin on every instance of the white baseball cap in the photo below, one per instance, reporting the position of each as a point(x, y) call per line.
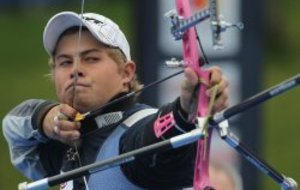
point(102, 28)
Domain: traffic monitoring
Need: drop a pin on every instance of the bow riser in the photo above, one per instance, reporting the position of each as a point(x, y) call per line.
point(192, 59)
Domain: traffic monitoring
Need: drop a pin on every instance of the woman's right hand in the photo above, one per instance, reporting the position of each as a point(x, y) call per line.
point(59, 124)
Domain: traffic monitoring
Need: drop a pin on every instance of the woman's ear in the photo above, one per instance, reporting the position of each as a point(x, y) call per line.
point(129, 71)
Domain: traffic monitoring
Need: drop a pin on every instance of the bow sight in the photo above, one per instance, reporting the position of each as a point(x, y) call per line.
point(218, 24)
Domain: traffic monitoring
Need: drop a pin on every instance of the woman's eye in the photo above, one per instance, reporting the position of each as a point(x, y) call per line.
point(65, 63)
point(91, 59)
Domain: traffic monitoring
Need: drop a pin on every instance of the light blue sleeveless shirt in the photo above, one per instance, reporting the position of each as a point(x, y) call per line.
point(113, 178)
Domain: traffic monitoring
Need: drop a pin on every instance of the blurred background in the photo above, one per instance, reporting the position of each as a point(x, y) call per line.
point(265, 53)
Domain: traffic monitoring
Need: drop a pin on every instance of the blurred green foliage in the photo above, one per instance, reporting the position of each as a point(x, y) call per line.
point(24, 63)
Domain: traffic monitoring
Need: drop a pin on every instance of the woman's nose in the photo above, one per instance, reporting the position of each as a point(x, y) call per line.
point(77, 70)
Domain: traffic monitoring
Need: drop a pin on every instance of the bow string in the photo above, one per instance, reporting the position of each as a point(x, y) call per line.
point(76, 74)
